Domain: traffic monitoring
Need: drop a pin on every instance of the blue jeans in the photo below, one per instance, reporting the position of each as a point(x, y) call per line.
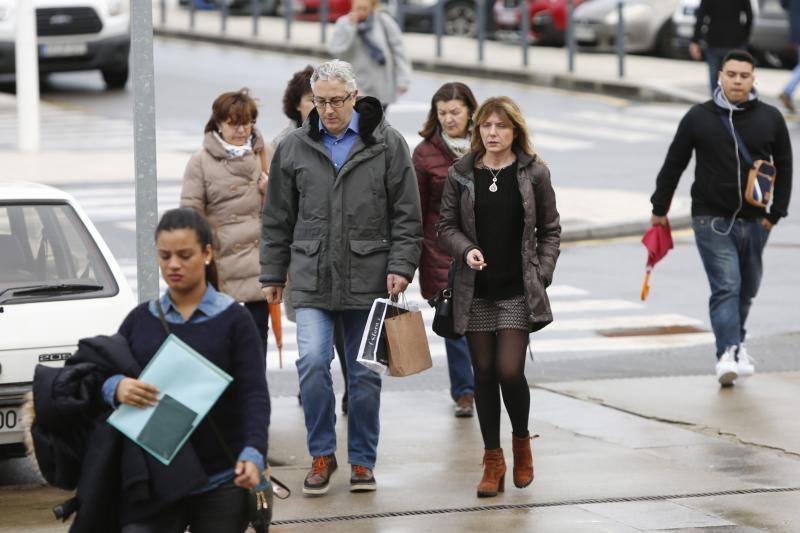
point(714, 57)
point(794, 79)
point(459, 364)
point(315, 337)
point(733, 266)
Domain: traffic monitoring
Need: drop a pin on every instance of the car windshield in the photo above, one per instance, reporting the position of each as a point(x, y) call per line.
point(46, 253)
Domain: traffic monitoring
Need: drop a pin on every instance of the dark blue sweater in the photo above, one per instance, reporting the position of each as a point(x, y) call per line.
point(230, 340)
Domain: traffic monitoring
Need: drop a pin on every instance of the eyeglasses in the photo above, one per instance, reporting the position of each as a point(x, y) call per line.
point(337, 102)
point(246, 125)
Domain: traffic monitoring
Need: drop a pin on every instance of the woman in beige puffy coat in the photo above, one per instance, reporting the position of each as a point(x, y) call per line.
point(225, 182)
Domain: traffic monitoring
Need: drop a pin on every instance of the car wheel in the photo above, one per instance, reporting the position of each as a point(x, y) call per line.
point(461, 19)
point(115, 77)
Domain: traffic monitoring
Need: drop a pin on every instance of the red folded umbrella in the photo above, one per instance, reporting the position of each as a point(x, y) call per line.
point(277, 330)
point(658, 241)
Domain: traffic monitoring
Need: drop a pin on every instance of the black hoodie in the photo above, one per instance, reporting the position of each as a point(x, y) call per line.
point(762, 129)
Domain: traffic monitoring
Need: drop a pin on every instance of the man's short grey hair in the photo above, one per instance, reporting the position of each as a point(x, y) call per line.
point(336, 69)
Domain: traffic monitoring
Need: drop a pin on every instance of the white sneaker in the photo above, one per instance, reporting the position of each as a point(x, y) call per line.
point(744, 364)
point(727, 369)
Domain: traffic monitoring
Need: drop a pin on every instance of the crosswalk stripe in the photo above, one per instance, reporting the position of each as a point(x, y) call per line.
point(626, 120)
point(618, 344)
point(586, 306)
point(588, 130)
point(557, 143)
point(621, 322)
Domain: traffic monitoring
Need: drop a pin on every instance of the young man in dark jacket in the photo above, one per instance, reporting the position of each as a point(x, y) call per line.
point(730, 233)
point(720, 26)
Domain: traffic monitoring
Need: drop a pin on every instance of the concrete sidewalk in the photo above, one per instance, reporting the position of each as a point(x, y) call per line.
point(647, 78)
point(622, 455)
point(597, 468)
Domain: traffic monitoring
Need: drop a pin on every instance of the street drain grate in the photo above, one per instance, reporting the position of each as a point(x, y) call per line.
point(513, 506)
point(642, 332)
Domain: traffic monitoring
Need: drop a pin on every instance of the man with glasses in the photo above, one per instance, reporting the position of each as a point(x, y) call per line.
point(727, 134)
point(342, 218)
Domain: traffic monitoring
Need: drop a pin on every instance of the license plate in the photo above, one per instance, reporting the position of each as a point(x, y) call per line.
point(585, 33)
point(10, 419)
point(63, 50)
point(508, 17)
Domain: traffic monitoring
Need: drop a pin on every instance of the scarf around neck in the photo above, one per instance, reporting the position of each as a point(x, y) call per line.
point(234, 150)
point(460, 147)
point(365, 34)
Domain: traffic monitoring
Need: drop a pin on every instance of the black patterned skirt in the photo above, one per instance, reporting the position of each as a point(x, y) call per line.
point(488, 315)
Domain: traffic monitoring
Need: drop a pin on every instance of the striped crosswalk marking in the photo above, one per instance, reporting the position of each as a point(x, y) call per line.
point(74, 128)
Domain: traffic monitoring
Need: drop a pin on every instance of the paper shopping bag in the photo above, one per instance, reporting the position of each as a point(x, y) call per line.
point(372, 345)
point(407, 343)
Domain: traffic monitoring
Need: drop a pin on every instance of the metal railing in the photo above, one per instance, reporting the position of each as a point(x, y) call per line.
point(438, 13)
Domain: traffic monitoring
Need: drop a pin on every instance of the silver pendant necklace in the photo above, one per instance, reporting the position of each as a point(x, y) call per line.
point(495, 172)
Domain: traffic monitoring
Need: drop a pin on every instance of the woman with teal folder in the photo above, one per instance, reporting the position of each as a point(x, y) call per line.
point(209, 493)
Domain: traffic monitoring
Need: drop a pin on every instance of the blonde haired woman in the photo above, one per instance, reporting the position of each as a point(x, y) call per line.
point(498, 206)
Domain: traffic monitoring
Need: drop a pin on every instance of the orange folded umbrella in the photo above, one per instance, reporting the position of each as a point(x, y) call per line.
point(658, 241)
point(277, 331)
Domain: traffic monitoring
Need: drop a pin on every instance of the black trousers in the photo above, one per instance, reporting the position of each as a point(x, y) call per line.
point(222, 510)
point(259, 310)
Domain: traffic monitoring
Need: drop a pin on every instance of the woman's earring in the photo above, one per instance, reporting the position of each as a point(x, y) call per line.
point(208, 263)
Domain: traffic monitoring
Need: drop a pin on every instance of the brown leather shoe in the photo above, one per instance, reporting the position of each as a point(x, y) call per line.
point(464, 406)
point(786, 100)
point(319, 477)
point(494, 473)
point(523, 461)
point(361, 479)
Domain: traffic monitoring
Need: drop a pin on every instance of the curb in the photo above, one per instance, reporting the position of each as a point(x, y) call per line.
point(615, 231)
point(622, 89)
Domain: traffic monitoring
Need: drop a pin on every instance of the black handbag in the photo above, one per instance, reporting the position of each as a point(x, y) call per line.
point(443, 324)
point(261, 497)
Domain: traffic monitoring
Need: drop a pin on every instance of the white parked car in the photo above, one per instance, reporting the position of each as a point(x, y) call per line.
point(74, 35)
point(648, 25)
point(58, 283)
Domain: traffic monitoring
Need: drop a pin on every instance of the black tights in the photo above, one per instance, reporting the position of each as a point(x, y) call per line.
point(498, 359)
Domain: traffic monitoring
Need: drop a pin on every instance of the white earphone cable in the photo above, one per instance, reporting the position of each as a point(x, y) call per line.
point(738, 168)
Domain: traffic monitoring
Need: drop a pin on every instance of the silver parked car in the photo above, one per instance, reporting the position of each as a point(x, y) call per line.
point(769, 39)
point(648, 25)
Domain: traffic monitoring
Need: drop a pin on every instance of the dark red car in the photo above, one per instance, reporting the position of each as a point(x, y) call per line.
point(336, 8)
point(548, 19)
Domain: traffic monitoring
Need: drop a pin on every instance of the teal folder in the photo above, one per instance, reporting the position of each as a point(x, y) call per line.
point(188, 384)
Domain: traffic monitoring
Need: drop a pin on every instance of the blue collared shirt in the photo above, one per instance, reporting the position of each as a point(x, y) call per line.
point(212, 304)
point(339, 147)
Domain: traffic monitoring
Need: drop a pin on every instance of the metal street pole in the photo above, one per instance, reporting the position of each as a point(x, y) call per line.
point(223, 13)
point(255, 7)
point(481, 5)
point(571, 35)
point(323, 18)
point(525, 31)
point(439, 22)
point(287, 8)
point(144, 147)
point(27, 75)
point(621, 38)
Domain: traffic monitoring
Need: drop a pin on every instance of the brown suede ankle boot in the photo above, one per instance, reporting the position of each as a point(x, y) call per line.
point(494, 473)
point(523, 461)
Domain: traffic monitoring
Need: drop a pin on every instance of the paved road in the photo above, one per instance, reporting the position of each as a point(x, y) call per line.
point(589, 142)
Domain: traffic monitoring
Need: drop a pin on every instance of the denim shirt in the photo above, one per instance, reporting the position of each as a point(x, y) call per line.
point(212, 304)
point(339, 147)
